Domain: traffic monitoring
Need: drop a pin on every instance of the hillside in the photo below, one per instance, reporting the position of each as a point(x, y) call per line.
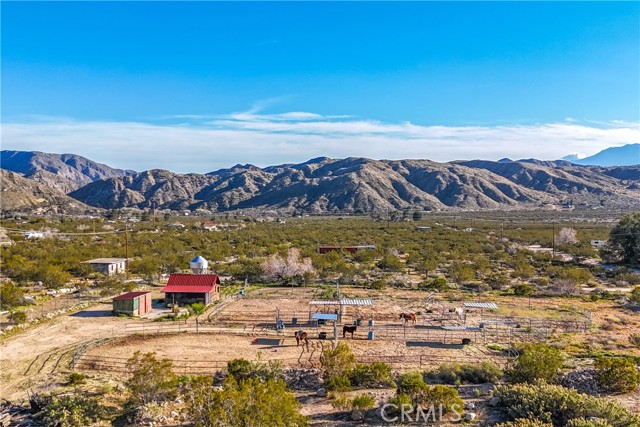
point(64, 172)
point(20, 194)
point(364, 185)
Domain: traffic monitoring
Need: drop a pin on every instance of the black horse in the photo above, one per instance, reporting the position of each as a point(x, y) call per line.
point(350, 329)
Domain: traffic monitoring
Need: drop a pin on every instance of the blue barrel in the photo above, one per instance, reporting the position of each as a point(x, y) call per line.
point(370, 322)
point(370, 337)
point(294, 321)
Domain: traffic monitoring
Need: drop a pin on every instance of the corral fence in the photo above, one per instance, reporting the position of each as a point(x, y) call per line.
point(307, 360)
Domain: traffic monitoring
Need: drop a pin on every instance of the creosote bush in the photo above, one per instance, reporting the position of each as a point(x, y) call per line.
point(558, 405)
point(456, 373)
point(616, 374)
point(537, 361)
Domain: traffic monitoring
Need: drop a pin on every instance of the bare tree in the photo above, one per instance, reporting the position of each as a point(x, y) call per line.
point(276, 267)
point(567, 236)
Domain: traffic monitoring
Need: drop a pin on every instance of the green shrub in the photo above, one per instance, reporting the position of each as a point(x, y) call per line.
point(339, 383)
point(441, 395)
point(71, 411)
point(524, 422)
point(341, 402)
point(76, 378)
point(338, 363)
point(151, 380)
point(251, 403)
point(535, 361)
point(583, 422)
point(411, 383)
point(616, 375)
point(242, 369)
point(363, 402)
point(455, 373)
point(18, 317)
point(374, 375)
point(558, 405)
point(523, 289)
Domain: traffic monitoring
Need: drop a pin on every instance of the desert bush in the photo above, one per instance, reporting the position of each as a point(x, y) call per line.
point(616, 374)
point(635, 339)
point(338, 383)
point(338, 363)
point(411, 383)
point(374, 375)
point(363, 402)
point(535, 361)
point(558, 405)
point(71, 411)
point(583, 422)
point(439, 284)
point(634, 296)
point(242, 369)
point(18, 317)
point(455, 373)
point(10, 295)
point(250, 403)
point(151, 380)
point(524, 422)
point(523, 289)
point(76, 378)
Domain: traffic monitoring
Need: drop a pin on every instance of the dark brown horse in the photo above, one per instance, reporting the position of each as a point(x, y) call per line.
point(407, 317)
point(302, 336)
point(350, 329)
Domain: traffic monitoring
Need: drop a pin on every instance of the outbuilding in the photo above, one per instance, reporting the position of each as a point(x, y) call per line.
point(192, 288)
point(108, 266)
point(132, 303)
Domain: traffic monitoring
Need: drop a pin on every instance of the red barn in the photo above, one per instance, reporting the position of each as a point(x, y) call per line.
point(192, 288)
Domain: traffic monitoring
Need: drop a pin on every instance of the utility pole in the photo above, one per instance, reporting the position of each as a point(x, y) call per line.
point(126, 252)
point(553, 241)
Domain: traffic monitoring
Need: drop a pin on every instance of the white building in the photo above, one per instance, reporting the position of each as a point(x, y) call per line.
point(108, 266)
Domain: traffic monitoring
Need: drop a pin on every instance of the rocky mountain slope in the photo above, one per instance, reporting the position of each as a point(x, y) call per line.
point(20, 194)
point(64, 172)
point(364, 185)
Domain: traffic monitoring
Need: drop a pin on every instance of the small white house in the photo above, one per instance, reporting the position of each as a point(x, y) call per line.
point(598, 243)
point(108, 266)
point(30, 235)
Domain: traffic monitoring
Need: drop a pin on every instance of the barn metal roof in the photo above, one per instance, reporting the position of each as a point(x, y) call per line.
point(130, 295)
point(357, 301)
point(487, 305)
point(191, 283)
point(325, 316)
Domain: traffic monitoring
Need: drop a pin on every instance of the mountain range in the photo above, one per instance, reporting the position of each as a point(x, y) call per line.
point(323, 185)
point(625, 155)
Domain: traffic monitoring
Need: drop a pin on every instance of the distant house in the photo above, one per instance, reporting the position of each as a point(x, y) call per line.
point(423, 228)
point(209, 226)
point(191, 288)
point(30, 235)
point(132, 303)
point(351, 249)
point(598, 243)
point(108, 266)
point(176, 225)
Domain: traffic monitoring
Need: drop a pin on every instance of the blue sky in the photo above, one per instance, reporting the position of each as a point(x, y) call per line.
point(268, 83)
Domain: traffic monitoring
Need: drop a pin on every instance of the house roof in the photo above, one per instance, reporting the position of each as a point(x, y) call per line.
point(130, 295)
point(105, 261)
point(191, 283)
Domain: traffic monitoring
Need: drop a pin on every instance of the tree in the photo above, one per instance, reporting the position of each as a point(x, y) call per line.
point(151, 380)
point(337, 364)
point(624, 240)
point(567, 236)
point(428, 263)
point(10, 295)
point(249, 403)
point(276, 267)
point(535, 361)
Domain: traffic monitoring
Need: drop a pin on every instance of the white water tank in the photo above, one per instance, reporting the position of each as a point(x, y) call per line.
point(199, 265)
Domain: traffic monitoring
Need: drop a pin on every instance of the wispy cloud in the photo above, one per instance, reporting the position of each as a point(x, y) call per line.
point(204, 143)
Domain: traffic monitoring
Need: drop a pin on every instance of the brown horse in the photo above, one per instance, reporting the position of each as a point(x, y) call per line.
point(407, 317)
point(302, 336)
point(350, 329)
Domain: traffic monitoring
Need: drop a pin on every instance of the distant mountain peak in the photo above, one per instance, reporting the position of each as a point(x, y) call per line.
point(626, 155)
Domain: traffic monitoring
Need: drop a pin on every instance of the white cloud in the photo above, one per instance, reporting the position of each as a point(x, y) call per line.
point(202, 144)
